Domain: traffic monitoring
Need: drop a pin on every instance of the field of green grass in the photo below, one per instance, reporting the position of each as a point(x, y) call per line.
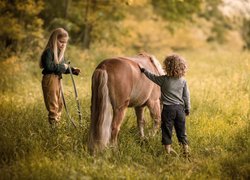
point(217, 128)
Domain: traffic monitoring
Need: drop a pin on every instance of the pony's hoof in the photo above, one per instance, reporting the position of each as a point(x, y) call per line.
point(153, 133)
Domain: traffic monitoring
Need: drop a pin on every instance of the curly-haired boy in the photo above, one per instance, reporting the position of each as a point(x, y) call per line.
point(176, 100)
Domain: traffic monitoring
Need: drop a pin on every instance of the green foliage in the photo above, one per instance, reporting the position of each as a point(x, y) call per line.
point(20, 26)
point(93, 21)
point(177, 10)
point(85, 20)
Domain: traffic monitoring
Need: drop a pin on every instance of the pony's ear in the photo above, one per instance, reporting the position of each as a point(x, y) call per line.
point(144, 53)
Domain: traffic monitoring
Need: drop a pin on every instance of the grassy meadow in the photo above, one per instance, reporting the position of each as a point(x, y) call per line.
point(217, 128)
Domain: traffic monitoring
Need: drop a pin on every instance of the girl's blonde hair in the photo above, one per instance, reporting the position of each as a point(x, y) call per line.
point(52, 44)
point(175, 65)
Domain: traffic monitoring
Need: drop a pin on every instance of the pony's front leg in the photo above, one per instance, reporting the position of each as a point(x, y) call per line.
point(116, 124)
point(140, 119)
point(155, 113)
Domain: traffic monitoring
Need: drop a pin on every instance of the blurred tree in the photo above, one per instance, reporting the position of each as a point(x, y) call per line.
point(85, 20)
point(176, 10)
point(238, 15)
point(230, 14)
point(245, 32)
point(54, 9)
point(20, 26)
point(220, 25)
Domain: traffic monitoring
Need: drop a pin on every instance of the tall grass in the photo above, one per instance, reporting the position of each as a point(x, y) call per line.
point(218, 126)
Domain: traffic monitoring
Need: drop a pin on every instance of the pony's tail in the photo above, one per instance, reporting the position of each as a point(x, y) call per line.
point(101, 112)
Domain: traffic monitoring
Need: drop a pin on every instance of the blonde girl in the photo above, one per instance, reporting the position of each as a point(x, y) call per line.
point(176, 100)
point(53, 64)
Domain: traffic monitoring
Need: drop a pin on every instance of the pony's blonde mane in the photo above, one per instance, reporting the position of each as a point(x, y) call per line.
point(155, 62)
point(157, 65)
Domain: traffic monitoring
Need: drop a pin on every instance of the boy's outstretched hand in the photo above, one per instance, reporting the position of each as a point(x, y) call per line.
point(76, 71)
point(141, 68)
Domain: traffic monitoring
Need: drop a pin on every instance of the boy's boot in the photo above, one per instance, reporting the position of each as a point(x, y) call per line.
point(186, 151)
point(170, 150)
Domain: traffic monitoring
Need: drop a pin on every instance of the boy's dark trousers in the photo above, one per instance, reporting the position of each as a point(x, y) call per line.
point(173, 115)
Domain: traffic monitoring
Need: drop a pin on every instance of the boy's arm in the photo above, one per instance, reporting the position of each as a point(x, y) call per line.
point(156, 79)
point(186, 98)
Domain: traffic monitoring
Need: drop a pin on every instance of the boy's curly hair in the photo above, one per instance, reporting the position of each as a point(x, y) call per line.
point(175, 65)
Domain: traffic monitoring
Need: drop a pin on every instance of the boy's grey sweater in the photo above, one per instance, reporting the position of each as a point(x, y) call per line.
point(173, 90)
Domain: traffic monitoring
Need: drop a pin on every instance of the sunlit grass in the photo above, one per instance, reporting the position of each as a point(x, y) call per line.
point(218, 126)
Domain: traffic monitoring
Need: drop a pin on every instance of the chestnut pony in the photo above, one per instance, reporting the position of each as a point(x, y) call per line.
point(117, 83)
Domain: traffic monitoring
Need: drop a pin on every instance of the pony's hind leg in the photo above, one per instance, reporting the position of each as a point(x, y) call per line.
point(155, 113)
point(140, 119)
point(116, 124)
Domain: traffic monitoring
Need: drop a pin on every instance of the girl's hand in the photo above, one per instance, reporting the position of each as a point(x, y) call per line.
point(76, 71)
point(66, 66)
